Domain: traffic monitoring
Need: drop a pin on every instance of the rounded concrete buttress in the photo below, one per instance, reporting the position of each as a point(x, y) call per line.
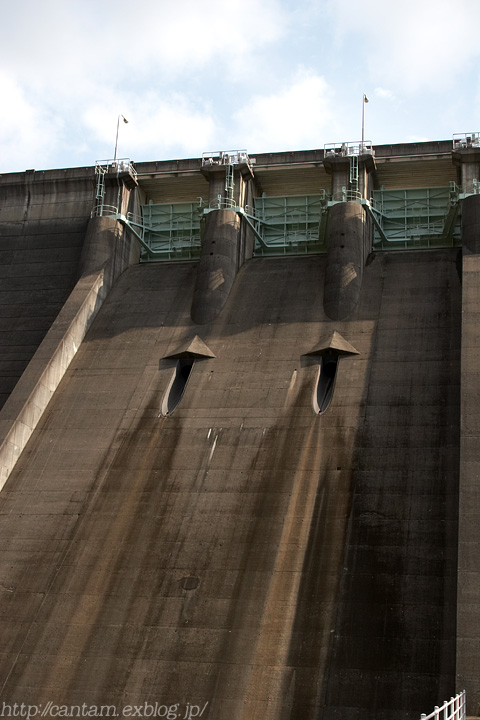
point(345, 259)
point(471, 223)
point(99, 244)
point(218, 265)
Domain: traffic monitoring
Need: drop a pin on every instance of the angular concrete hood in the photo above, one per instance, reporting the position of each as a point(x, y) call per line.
point(195, 349)
point(333, 344)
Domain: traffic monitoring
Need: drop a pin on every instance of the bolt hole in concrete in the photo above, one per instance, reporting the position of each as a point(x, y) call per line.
point(325, 383)
point(190, 582)
point(176, 387)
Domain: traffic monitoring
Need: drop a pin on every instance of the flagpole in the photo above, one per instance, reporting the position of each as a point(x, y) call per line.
point(364, 100)
point(116, 138)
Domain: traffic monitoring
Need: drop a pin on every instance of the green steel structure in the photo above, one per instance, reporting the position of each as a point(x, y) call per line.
point(170, 231)
point(416, 218)
point(290, 225)
point(282, 225)
point(412, 218)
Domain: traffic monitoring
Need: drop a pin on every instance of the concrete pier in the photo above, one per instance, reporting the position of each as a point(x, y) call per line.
point(218, 266)
point(471, 224)
point(349, 244)
point(227, 240)
point(468, 607)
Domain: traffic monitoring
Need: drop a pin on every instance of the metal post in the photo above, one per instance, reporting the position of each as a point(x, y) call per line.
point(365, 100)
point(116, 138)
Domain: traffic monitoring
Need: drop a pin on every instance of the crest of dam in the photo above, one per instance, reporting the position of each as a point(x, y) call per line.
point(348, 246)
point(218, 266)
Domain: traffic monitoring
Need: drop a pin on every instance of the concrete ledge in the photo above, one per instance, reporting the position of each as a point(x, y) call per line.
point(31, 395)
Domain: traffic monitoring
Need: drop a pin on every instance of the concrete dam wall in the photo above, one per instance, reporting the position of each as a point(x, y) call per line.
point(43, 220)
point(243, 554)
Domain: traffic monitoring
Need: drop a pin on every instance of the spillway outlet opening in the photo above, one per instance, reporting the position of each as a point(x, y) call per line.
point(325, 382)
point(177, 385)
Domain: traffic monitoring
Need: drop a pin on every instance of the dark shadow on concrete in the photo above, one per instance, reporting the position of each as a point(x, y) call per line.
point(368, 630)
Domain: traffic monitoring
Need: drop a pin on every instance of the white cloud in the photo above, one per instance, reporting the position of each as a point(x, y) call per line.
point(384, 94)
point(192, 76)
point(293, 118)
point(28, 132)
point(157, 125)
point(410, 45)
point(80, 38)
point(75, 65)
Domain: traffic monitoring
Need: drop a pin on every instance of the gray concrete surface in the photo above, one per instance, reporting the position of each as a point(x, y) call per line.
point(468, 611)
point(42, 260)
point(218, 266)
point(38, 271)
point(244, 552)
point(30, 397)
point(241, 554)
point(43, 219)
point(349, 243)
point(471, 223)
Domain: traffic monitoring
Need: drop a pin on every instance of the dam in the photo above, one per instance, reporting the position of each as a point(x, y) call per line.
point(239, 435)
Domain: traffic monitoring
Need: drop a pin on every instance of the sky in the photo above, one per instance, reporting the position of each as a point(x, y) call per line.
point(194, 76)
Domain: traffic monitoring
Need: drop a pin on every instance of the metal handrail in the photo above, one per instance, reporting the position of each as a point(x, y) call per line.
point(120, 165)
point(471, 188)
point(221, 203)
point(226, 157)
point(348, 149)
point(453, 709)
point(101, 210)
point(347, 195)
point(466, 140)
point(135, 219)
